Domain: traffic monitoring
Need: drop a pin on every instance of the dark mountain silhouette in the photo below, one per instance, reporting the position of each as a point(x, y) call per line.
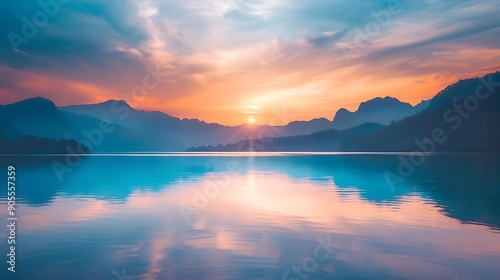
point(378, 110)
point(135, 130)
point(38, 145)
point(328, 140)
point(305, 127)
point(190, 132)
point(12, 141)
point(459, 118)
point(119, 139)
point(154, 124)
point(465, 120)
point(8, 131)
point(39, 117)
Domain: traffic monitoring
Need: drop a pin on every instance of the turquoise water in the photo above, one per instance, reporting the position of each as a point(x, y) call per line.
point(272, 216)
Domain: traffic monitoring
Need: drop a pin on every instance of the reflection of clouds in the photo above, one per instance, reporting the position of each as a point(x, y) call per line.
point(261, 216)
point(62, 212)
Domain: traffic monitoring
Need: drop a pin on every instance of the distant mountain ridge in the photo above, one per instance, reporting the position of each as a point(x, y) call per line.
point(39, 117)
point(8, 131)
point(12, 141)
point(379, 110)
point(325, 141)
point(189, 132)
point(464, 117)
point(132, 130)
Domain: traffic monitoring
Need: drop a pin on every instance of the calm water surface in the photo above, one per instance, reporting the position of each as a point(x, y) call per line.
point(266, 217)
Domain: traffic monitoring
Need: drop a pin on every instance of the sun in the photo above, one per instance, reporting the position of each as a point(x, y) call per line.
point(251, 120)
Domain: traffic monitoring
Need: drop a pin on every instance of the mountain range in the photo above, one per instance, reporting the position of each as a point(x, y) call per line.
point(187, 132)
point(12, 141)
point(380, 124)
point(378, 110)
point(129, 130)
point(464, 117)
point(137, 130)
point(327, 140)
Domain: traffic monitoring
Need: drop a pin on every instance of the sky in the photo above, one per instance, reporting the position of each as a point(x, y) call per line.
point(231, 61)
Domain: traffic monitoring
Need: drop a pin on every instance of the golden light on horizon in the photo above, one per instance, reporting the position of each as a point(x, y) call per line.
point(251, 120)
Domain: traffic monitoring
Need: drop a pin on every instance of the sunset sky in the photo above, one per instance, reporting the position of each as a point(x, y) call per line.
point(229, 61)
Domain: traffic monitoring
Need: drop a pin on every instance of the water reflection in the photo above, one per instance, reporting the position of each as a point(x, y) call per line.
point(113, 213)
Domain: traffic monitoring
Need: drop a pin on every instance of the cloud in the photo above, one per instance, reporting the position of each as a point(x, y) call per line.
point(225, 53)
point(326, 38)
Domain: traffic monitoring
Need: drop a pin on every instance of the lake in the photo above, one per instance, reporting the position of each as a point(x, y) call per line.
point(255, 216)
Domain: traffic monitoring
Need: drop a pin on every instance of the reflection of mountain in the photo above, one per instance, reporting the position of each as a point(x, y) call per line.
point(464, 186)
point(378, 110)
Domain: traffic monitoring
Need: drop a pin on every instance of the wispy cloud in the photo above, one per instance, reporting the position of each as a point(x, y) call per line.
point(226, 53)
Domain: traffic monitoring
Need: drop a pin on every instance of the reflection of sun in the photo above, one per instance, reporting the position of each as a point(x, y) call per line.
point(251, 120)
